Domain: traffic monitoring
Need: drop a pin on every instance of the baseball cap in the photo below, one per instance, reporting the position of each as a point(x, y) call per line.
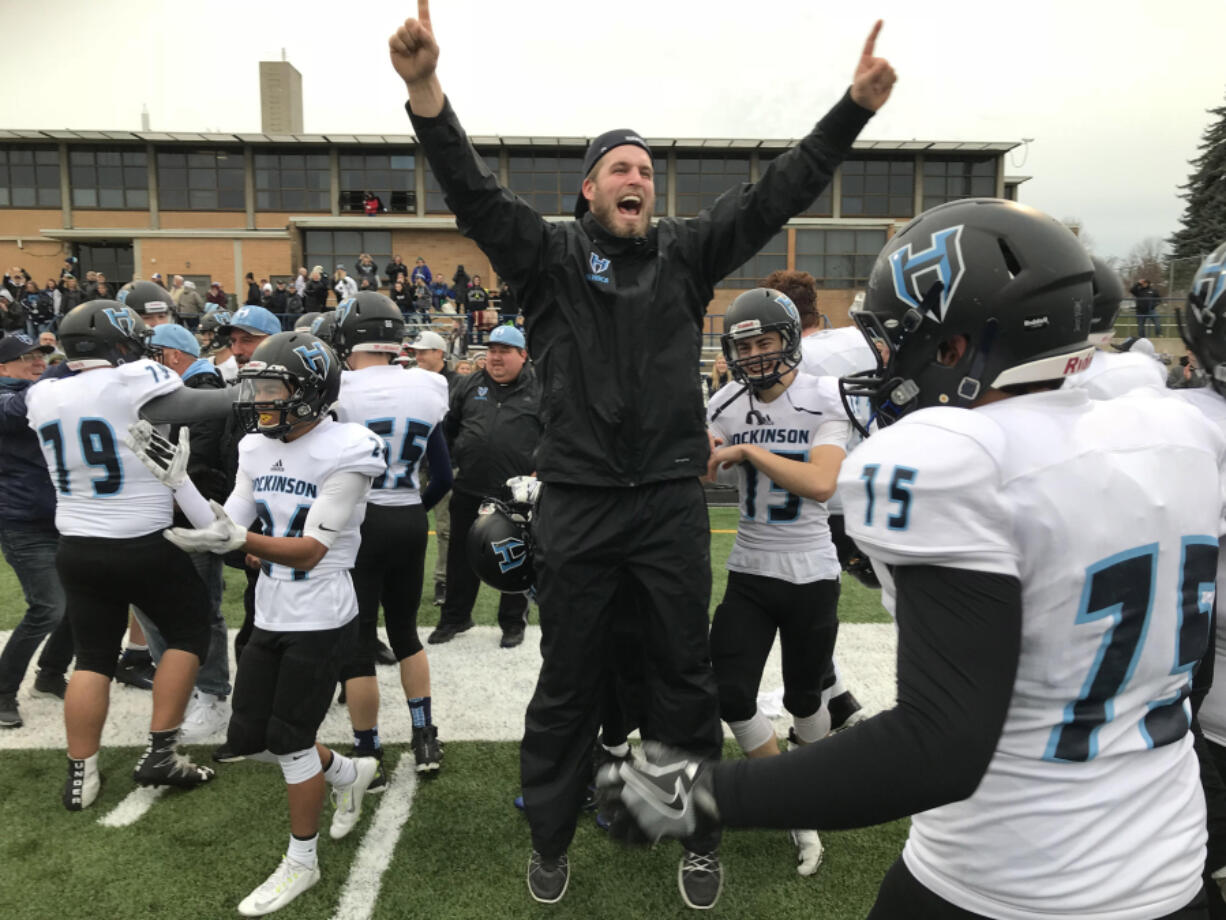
point(619, 137)
point(429, 340)
point(16, 344)
point(168, 335)
point(507, 335)
point(255, 320)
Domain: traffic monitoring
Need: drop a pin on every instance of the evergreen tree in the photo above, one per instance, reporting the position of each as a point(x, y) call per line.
point(1203, 225)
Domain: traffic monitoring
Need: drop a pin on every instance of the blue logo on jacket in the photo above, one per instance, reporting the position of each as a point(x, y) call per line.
point(599, 267)
point(482, 393)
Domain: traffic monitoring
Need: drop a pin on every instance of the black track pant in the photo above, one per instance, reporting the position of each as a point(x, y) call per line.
point(589, 543)
point(462, 581)
point(902, 897)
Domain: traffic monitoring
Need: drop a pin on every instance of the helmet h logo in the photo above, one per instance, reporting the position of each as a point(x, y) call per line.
point(510, 552)
point(120, 319)
point(314, 357)
point(1207, 289)
point(342, 310)
point(599, 265)
point(943, 258)
point(786, 302)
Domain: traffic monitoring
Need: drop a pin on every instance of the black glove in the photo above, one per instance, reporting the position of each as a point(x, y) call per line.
point(667, 795)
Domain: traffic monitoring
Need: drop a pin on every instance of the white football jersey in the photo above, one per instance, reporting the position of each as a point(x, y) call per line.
point(781, 535)
point(401, 407)
point(228, 369)
point(1213, 709)
point(1111, 374)
point(285, 480)
point(1092, 805)
point(837, 353)
point(102, 490)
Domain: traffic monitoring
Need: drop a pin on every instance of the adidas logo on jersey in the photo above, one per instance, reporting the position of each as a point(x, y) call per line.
point(277, 467)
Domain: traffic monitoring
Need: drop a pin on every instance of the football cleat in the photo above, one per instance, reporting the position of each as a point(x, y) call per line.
point(808, 851)
point(288, 880)
point(170, 768)
point(207, 716)
point(427, 749)
point(136, 669)
point(348, 798)
point(845, 711)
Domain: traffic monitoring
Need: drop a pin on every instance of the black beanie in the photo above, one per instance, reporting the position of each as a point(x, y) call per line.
point(619, 137)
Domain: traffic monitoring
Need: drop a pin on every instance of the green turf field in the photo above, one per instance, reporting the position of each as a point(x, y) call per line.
point(461, 853)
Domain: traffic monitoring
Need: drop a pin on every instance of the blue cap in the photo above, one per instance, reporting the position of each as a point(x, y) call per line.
point(507, 335)
point(168, 335)
point(255, 320)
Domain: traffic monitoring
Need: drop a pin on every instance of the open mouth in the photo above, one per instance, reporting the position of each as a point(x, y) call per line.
point(630, 205)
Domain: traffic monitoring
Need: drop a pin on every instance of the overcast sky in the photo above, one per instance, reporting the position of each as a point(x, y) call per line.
point(1113, 93)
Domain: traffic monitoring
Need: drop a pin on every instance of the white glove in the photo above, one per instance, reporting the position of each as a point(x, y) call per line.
point(222, 536)
point(524, 489)
point(165, 460)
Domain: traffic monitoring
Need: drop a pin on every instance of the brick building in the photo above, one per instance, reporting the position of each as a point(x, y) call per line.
point(213, 207)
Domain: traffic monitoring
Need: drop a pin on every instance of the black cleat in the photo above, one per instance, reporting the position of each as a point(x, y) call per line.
point(445, 632)
point(427, 749)
point(440, 593)
point(136, 669)
point(845, 711)
point(512, 637)
point(383, 654)
point(170, 768)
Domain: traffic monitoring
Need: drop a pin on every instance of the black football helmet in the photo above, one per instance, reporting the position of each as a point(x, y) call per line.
point(1012, 280)
point(1108, 293)
point(368, 322)
point(324, 326)
point(312, 376)
point(1203, 323)
point(102, 333)
point(209, 334)
point(752, 314)
point(500, 546)
point(306, 320)
point(146, 297)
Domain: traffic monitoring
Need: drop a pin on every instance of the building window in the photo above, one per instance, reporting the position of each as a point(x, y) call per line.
point(434, 194)
point(702, 179)
point(771, 257)
point(330, 248)
point(292, 181)
point(201, 180)
point(391, 176)
point(29, 177)
point(878, 188)
point(108, 178)
point(547, 181)
point(838, 258)
point(950, 178)
point(822, 206)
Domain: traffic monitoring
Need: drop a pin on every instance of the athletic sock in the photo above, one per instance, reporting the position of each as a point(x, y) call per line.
point(302, 850)
point(341, 772)
point(419, 710)
point(163, 742)
point(366, 739)
point(814, 727)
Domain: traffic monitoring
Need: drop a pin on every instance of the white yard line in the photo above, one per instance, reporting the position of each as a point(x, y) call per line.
point(374, 855)
point(480, 692)
point(133, 806)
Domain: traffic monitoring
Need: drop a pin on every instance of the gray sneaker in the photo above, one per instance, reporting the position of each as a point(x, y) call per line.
point(548, 878)
point(48, 684)
point(10, 715)
point(700, 878)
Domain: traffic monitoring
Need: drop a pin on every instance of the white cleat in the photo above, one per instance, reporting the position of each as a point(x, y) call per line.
point(348, 799)
point(289, 880)
point(808, 851)
point(83, 783)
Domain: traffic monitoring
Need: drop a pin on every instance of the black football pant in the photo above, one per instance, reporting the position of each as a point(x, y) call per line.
point(591, 544)
point(462, 581)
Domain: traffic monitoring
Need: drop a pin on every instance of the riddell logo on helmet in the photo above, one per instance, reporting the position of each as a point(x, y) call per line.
point(1077, 365)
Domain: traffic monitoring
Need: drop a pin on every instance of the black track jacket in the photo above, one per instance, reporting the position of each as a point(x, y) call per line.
point(614, 325)
point(492, 431)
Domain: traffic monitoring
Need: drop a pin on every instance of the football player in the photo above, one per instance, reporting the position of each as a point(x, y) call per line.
point(1203, 326)
point(306, 478)
point(787, 433)
point(1046, 632)
point(404, 408)
point(1113, 372)
point(109, 512)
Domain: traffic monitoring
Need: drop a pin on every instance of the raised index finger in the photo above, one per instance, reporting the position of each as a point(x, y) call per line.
point(868, 45)
point(423, 12)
